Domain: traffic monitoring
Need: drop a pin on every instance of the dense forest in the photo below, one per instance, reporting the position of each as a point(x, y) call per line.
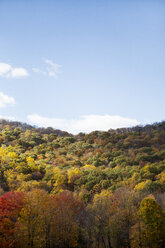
point(96, 190)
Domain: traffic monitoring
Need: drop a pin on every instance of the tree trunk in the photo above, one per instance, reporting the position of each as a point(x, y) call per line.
point(109, 241)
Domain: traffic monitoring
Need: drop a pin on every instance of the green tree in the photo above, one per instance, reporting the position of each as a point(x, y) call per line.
point(152, 223)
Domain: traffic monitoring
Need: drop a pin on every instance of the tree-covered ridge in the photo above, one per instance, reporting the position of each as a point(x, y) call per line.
point(105, 188)
point(54, 160)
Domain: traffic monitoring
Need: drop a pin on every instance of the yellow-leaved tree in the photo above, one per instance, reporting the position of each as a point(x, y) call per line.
point(152, 223)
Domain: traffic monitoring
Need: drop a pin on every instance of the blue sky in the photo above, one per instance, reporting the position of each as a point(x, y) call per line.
point(82, 65)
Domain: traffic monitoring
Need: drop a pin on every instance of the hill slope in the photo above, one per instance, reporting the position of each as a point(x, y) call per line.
point(34, 157)
point(103, 189)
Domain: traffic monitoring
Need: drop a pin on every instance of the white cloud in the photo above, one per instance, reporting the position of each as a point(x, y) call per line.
point(6, 117)
point(6, 100)
point(19, 72)
point(51, 70)
point(5, 69)
point(85, 123)
point(8, 71)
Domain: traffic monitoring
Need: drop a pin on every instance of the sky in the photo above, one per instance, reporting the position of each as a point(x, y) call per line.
point(84, 65)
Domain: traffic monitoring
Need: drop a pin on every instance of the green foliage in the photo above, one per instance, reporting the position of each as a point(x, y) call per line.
point(152, 221)
point(110, 172)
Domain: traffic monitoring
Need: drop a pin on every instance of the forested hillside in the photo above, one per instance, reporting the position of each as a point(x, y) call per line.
point(102, 189)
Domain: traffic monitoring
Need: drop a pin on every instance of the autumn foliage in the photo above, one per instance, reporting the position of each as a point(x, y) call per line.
point(97, 190)
point(10, 205)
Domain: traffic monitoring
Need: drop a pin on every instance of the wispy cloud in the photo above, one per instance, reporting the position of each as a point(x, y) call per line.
point(6, 100)
point(85, 123)
point(39, 71)
point(52, 69)
point(8, 71)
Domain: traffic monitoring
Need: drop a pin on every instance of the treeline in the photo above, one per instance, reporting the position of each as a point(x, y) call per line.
point(123, 219)
point(88, 163)
point(103, 189)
